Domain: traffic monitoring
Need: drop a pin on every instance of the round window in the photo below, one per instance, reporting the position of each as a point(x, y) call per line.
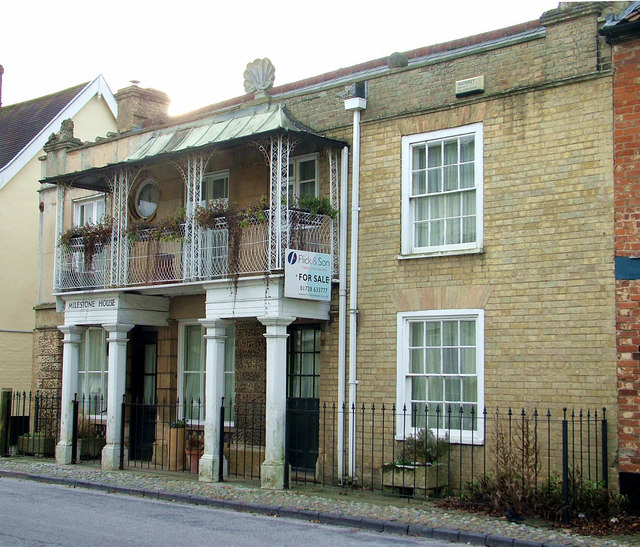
point(147, 198)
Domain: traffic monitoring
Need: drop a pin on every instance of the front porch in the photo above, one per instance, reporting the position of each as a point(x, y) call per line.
point(163, 408)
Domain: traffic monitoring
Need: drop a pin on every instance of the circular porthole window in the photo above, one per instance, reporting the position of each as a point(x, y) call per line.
point(147, 199)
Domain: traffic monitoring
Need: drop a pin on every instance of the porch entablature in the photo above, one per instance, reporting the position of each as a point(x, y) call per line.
point(260, 297)
point(210, 201)
point(113, 307)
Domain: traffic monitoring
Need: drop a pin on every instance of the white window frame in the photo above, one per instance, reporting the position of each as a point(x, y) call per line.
point(210, 178)
point(294, 181)
point(403, 380)
point(82, 368)
point(181, 363)
point(409, 250)
point(182, 326)
point(95, 201)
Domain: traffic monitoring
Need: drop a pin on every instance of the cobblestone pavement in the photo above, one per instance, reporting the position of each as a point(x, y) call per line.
point(338, 506)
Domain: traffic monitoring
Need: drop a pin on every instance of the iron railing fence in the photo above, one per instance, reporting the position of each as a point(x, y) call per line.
point(153, 258)
point(163, 436)
point(243, 446)
point(89, 427)
point(387, 452)
point(34, 423)
point(460, 449)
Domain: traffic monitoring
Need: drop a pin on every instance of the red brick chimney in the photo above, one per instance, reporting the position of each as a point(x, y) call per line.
point(139, 107)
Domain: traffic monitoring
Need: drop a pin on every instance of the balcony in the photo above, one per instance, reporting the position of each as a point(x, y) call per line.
point(191, 253)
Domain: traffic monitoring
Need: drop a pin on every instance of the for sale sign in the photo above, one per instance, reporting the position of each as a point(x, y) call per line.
point(307, 275)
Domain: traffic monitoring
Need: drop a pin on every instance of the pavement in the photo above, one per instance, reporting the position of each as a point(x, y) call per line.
point(338, 506)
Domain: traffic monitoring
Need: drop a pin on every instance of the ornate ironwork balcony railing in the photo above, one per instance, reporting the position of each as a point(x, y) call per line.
point(155, 258)
point(78, 269)
point(218, 253)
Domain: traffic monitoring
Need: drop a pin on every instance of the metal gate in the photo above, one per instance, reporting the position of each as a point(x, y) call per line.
point(303, 404)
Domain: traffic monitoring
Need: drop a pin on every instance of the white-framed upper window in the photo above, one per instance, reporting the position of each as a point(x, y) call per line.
point(93, 370)
point(303, 176)
point(88, 210)
point(440, 373)
point(442, 191)
point(215, 186)
point(192, 370)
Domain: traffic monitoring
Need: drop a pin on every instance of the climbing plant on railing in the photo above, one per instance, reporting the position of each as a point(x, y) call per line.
point(89, 238)
point(169, 228)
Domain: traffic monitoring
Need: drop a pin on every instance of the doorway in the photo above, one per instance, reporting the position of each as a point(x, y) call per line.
point(303, 401)
point(142, 424)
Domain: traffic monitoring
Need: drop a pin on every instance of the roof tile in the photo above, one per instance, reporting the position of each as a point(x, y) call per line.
point(21, 122)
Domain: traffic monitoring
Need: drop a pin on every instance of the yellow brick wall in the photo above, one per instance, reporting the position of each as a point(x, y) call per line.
point(545, 277)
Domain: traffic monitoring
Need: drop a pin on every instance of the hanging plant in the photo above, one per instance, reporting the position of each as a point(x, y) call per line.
point(221, 214)
point(92, 236)
point(254, 213)
point(169, 228)
point(69, 235)
point(138, 230)
point(210, 215)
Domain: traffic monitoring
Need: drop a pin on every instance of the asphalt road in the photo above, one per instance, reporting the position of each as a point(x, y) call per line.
point(42, 514)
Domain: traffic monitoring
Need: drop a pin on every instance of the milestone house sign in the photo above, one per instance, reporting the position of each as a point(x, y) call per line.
point(307, 275)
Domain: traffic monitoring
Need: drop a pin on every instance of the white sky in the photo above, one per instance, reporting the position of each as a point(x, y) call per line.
point(197, 52)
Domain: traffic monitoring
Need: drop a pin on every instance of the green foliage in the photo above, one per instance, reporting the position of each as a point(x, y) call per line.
point(92, 234)
point(317, 206)
point(421, 449)
point(209, 216)
point(178, 424)
point(516, 484)
point(168, 228)
point(587, 499)
point(94, 237)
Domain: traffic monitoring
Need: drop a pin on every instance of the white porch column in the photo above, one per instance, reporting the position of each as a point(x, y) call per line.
point(216, 337)
point(116, 385)
point(273, 467)
point(70, 361)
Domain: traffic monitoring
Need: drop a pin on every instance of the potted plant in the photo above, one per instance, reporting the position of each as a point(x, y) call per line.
point(177, 434)
point(194, 448)
point(317, 206)
point(309, 216)
point(420, 463)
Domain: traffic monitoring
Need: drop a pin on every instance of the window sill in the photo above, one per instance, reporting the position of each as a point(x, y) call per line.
point(432, 254)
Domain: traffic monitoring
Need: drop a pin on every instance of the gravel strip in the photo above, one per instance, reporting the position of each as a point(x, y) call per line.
point(325, 504)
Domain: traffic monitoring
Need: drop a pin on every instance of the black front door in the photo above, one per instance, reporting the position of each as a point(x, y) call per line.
point(303, 403)
point(142, 430)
